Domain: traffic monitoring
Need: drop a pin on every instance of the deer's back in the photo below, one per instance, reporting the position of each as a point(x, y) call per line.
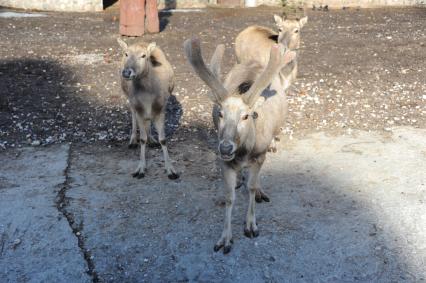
point(162, 70)
point(254, 44)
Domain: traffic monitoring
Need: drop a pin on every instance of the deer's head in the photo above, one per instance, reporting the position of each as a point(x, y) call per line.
point(235, 112)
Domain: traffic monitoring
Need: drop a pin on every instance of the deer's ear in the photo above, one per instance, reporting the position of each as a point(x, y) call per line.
point(123, 44)
point(278, 20)
point(151, 48)
point(303, 21)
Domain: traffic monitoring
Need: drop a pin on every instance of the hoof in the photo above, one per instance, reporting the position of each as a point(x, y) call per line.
point(173, 176)
point(217, 247)
point(261, 197)
point(251, 233)
point(227, 249)
point(132, 146)
point(138, 175)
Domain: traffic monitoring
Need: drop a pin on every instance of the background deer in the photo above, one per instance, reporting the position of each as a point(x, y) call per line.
point(245, 124)
point(254, 44)
point(147, 81)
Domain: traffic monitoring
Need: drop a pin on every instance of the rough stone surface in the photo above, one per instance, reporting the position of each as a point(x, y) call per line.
point(344, 209)
point(55, 5)
point(345, 3)
point(36, 242)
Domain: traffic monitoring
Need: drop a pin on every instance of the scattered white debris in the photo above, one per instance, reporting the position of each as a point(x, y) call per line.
point(85, 59)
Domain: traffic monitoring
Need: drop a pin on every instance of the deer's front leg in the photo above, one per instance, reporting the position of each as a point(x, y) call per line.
point(133, 136)
point(159, 125)
point(143, 125)
point(230, 180)
point(253, 184)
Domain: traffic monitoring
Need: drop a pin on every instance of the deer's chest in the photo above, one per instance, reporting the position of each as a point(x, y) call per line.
point(147, 105)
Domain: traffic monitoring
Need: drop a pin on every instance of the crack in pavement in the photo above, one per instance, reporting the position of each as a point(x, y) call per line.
point(61, 204)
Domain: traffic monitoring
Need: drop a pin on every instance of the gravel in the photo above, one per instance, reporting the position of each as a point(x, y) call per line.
point(359, 69)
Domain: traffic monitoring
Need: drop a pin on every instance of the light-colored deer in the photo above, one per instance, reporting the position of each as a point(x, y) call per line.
point(254, 44)
point(246, 124)
point(147, 79)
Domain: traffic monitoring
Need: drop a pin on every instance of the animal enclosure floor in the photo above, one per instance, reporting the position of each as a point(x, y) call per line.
point(343, 209)
point(347, 185)
point(60, 73)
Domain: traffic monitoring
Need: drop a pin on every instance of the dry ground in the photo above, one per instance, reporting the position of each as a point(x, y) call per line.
point(347, 184)
point(358, 70)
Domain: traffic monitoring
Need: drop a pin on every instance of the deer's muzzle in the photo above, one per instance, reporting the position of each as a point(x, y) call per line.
point(227, 150)
point(128, 74)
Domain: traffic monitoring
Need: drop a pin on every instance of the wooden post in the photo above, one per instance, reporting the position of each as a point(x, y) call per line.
point(152, 21)
point(132, 17)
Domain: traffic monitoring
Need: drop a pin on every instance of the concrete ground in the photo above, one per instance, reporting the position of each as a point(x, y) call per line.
point(343, 209)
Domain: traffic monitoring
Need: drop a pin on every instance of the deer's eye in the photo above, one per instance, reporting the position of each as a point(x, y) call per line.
point(296, 31)
point(280, 30)
point(126, 54)
point(245, 117)
point(143, 56)
point(220, 114)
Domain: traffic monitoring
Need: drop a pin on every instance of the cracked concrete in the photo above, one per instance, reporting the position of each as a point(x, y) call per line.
point(77, 227)
point(344, 209)
point(37, 244)
point(348, 208)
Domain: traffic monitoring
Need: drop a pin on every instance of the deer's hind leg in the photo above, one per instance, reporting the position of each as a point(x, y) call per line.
point(159, 125)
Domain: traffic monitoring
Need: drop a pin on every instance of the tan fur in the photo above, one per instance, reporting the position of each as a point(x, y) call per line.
point(245, 122)
point(254, 43)
point(148, 89)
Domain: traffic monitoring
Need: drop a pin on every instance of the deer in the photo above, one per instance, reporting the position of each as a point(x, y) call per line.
point(254, 44)
point(246, 124)
point(147, 80)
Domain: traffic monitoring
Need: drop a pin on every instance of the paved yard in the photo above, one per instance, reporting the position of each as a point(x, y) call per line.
point(344, 209)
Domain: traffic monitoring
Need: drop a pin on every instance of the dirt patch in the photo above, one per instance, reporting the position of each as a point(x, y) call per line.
point(359, 69)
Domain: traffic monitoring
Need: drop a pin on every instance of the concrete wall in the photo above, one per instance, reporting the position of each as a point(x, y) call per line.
point(55, 5)
point(356, 3)
point(97, 5)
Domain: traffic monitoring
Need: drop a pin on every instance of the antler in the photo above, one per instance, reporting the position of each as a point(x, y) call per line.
point(216, 60)
point(277, 60)
point(193, 54)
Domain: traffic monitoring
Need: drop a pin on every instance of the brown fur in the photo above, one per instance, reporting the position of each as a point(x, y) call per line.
point(147, 89)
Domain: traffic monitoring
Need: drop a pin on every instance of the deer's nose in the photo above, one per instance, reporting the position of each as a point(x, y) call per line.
point(226, 147)
point(126, 73)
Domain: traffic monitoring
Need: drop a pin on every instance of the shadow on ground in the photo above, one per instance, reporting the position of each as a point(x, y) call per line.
point(328, 220)
point(165, 13)
point(43, 100)
point(108, 3)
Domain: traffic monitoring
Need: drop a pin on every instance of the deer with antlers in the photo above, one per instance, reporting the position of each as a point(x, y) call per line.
point(254, 44)
point(246, 124)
